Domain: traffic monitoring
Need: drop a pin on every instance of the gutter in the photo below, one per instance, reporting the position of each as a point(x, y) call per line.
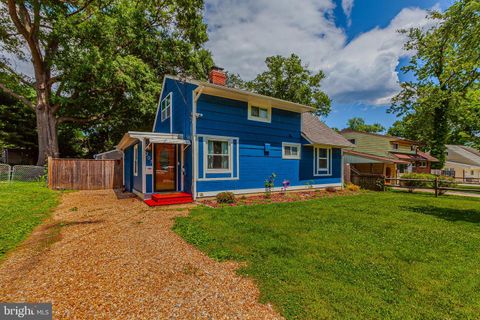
point(196, 95)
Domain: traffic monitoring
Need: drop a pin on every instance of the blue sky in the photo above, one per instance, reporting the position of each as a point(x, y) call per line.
point(354, 41)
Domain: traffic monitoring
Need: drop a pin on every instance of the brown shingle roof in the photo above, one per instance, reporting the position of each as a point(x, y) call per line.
point(316, 132)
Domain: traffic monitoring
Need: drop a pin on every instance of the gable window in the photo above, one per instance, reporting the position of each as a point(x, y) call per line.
point(135, 160)
point(413, 147)
point(218, 156)
point(352, 141)
point(395, 146)
point(423, 164)
point(166, 107)
point(259, 113)
point(323, 161)
point(290, 150)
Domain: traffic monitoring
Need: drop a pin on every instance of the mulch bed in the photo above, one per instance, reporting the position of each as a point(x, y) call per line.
point(278, 197)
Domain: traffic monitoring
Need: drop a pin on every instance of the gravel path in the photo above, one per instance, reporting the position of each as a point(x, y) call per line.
point(102, 256)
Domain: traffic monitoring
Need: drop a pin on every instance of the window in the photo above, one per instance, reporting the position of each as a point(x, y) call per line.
point(413, 147)
point(135, 160)
point(472, 173)
point(258, 113)
point(395, 146)
point(352, 141)
point(323, 160)
point(166, 107)
point(290, 150)
point(423, 164)
point(218, 156)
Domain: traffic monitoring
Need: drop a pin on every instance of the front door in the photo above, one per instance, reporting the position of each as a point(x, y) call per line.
point(165, 167)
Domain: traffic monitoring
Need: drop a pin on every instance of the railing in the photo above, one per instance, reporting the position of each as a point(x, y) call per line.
point(438, 185)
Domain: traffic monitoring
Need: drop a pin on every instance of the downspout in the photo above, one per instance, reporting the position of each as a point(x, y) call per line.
point(196, 95)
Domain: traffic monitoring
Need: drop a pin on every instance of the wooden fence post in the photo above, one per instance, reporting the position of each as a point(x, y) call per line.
point(436, 186)
point(49, 172)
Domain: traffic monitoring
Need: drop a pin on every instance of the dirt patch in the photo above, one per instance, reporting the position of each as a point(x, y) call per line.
point(114, 257)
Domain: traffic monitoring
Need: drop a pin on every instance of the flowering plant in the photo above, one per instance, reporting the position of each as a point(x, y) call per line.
point(269, 184)
point(285, 184)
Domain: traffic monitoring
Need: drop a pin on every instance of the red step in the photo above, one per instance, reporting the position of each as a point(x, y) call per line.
point(166, 199)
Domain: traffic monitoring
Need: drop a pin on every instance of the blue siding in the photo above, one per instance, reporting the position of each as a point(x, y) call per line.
point(181, 108)
point(128, 168)
point(225, 117)
point(138, 180)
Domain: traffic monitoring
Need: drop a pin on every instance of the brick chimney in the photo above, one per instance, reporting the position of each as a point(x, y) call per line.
point(217, 76)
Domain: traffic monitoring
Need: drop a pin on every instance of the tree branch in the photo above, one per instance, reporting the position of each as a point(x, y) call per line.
point(15, 74)
point(16, 96)
point(87, 3)
point(76, 120)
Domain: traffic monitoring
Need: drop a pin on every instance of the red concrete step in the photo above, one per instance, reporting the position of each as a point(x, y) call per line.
point(166, 199)
point(175, 195)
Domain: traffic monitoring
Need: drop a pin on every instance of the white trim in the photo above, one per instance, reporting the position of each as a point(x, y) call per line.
point(276, 189)
point(138, 193)
point(135, 160)
point(158, 105)
point(261, 106)
point(195, 96)
point(206, 171)
point(182, 180)
point(171, 112)
point(342, 169)
point(169, 115)
point(292, 157)
point(316, 169)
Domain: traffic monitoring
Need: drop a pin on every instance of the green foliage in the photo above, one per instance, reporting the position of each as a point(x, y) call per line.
point(103, 60)
point(425, 180)
point(358, 124)
point(225, 197)
point(23, 205)
point(286, 78)
point(269, 184)
point(387, 255)
point(446, 65)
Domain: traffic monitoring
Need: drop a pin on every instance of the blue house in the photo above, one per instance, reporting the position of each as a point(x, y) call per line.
point(208, 138)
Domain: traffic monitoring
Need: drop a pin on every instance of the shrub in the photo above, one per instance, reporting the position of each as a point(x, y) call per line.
point(225, 197)
point(352, 187)
point(417, 184)
point(331, 189)
point(446, 182)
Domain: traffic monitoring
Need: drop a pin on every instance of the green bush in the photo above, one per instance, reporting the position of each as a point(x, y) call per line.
point(443, 181)
point(225, 197)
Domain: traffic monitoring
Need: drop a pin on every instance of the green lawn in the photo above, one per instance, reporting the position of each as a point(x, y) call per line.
point(371, 256)
point(23, 205)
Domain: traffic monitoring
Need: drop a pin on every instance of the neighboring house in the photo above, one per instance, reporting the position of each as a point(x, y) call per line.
point(385, 155)
point(208, 138)
point(463, 163)
point(16, 156)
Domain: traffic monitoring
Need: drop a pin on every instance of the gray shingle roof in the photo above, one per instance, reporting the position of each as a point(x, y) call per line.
point(317, 132)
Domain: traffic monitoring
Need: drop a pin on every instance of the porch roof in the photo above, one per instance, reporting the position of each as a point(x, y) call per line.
point(131, 137)
point(373, 158)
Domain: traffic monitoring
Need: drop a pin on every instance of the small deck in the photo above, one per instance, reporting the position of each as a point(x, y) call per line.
point(166, 199)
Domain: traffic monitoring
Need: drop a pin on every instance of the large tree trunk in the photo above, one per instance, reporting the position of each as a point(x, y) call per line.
point(47, 131)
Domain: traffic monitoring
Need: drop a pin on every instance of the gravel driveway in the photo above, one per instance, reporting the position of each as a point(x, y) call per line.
point(109, 256)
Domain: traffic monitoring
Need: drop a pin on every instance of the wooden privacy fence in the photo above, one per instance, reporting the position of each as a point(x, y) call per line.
point(84, 174)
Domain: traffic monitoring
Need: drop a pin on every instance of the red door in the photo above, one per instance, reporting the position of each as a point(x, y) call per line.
point(165, 167)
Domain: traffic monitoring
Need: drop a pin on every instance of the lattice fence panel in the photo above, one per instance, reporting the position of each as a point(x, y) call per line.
point(5, 171)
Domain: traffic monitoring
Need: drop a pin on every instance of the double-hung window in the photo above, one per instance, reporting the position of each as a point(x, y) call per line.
point(166, 107)
point(218, 156)
point(323, 161)
point(290, 150)
point(259, 113)
point(135, 160)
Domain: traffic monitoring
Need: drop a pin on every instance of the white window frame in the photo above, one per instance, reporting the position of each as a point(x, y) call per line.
point(135, 160)
point(322, 172)
point(423, 164)
point(166, 110)
point(260, 119)
point(289, 144)
point(206, 154)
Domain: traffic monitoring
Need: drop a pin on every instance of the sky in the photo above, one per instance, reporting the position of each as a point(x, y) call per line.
point(355, 42)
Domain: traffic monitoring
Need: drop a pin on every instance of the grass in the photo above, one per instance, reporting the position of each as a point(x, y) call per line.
point(23, 205)
point(371, 256)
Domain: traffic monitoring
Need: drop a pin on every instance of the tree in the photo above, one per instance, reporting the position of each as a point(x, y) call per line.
point(287, 79)
point(446, 64)
point(97, 64)
point(358, 124)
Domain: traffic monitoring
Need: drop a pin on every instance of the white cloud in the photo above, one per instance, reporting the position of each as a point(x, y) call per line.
point(347, 6)
point(242, 34)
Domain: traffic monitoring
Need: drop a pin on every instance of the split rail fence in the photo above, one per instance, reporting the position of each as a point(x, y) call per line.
point(84, 174)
